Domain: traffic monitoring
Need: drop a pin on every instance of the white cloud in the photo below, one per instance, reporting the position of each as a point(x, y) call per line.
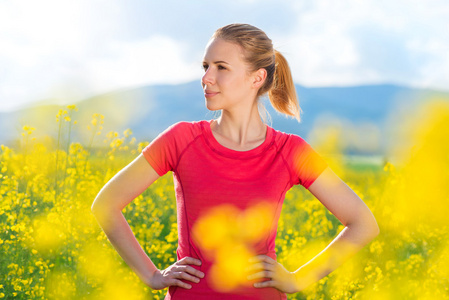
point(41, 45)
point(158, 59)
point(73, 49)
point(60, 49)
point(357, 42)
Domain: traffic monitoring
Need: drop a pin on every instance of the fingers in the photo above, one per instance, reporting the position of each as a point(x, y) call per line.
point(278, 277)
point(260, 266)
point(177, 282)
point(181, 270)
point(185, 276)
point(175, 279)
point(262, 258)
point(261, 274)
point(183, 266)
point(262, 263)
point(190, 270)
point(189, 261)
point(264, 267)
point(263, 284)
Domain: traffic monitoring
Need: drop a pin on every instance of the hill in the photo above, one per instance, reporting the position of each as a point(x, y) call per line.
point(363, 112)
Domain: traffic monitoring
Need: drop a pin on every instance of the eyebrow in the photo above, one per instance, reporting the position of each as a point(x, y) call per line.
point(219, 62)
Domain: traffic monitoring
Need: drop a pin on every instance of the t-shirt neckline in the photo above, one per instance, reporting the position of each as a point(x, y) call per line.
point(222, 150)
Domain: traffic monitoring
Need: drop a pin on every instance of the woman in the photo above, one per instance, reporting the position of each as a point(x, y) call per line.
point(234, 160)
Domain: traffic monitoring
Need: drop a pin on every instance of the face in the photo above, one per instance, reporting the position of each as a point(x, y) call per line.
point(226, 82)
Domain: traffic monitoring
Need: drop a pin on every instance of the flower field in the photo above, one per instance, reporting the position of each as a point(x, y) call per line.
point(51, 246)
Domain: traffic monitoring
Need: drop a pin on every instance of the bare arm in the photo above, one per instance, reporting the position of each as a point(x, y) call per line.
point(107, 209)
point(360, 228)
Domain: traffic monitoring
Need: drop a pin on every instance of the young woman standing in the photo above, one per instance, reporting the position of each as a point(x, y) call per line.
point(234, 160)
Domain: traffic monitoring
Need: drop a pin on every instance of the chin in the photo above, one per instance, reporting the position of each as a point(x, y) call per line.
point(212, 107)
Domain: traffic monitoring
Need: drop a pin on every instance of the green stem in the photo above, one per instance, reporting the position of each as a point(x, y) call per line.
point(67, 148)
point(90, 147)
point(57, 159)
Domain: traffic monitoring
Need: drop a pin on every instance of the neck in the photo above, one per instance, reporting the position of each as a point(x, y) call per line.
point(240, 129)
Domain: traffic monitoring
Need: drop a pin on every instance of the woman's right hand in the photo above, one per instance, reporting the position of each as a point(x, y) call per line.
point(172, 275)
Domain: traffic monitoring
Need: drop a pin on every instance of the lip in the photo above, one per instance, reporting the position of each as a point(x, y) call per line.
point(209, 94)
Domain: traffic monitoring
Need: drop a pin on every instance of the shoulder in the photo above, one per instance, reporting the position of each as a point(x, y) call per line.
point(181, 134)
point(285, 141)
point(304, 163)
point(185, 128)
point(166, 148)
point(292, 146)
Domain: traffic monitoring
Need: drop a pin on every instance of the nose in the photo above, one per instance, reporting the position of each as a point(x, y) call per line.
point(208, 77)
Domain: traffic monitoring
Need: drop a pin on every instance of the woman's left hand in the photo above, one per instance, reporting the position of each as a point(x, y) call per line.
point(264, 266)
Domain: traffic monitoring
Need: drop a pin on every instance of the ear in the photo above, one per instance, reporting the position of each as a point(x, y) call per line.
point(259, 77)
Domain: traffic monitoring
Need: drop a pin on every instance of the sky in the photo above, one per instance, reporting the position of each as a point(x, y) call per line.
point(65, 51)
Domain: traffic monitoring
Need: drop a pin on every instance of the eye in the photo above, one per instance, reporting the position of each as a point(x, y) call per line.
point(205, 67)
point(221, 67)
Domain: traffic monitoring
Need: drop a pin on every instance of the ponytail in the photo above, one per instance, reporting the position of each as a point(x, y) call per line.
point(283, 92)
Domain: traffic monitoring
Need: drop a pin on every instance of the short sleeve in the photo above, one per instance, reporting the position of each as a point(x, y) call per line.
point(306, 164)
point(162, 152)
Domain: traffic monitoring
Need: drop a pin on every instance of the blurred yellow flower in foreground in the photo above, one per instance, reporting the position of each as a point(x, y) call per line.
point(46, 235)
point(229, 271)
point(60, 285)
point(227, 236)
point(421, 194)
point(94, 262)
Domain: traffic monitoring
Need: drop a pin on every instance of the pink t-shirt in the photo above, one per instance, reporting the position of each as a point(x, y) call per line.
point(207, 174)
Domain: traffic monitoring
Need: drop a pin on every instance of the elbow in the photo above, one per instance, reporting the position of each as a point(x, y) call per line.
point(372, 229)
point(94, 207)
point(101, 213)
point(366, 228)
point(103, 209)
point(376, 230)
point(96, 211)
point(374, 226)
point(97, 208)
point(101, 203)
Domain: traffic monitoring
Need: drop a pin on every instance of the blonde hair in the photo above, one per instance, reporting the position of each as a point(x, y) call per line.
point(259, 53)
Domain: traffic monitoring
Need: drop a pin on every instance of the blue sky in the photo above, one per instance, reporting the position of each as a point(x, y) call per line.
point(67, 50)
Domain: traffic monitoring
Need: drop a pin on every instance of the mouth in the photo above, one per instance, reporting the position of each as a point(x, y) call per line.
point(209, 94)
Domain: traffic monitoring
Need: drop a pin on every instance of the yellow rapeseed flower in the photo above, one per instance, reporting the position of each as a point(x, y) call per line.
point(408, 261)
point(127, 132)
point(72, 107)
point(46, 235)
